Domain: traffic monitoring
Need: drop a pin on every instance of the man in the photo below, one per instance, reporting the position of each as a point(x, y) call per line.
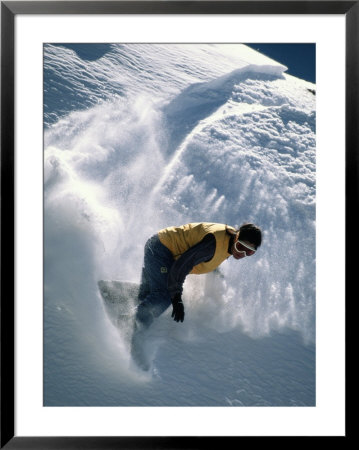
point(175, 252)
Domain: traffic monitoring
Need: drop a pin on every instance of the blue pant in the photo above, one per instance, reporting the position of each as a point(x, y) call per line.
point(154, 297)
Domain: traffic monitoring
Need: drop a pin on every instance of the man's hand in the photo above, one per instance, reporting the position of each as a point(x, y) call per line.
point(178, 308)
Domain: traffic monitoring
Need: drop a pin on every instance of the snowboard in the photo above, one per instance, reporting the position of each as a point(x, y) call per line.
point(119, 299)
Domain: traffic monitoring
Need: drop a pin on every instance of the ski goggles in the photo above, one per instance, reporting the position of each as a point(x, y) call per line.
point(241, 247)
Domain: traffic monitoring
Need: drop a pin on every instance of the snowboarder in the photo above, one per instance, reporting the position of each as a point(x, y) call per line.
point(173, 253)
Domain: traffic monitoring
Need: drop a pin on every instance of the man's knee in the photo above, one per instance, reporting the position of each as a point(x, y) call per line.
point(144, 314)
point(163, 301)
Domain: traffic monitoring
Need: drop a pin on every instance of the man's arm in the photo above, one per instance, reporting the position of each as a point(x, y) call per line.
point(201, 252)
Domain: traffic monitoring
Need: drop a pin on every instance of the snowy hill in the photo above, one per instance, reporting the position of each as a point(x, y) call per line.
point(139, 137)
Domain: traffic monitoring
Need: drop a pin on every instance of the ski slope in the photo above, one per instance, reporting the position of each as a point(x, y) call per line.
point(139, 137)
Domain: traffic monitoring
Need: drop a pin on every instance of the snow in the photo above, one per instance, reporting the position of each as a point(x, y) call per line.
point(139, 137)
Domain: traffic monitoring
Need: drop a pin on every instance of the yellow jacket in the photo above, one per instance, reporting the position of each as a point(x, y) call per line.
point(179, 239)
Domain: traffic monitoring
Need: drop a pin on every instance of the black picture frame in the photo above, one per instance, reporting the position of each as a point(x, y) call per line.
point(9, 9)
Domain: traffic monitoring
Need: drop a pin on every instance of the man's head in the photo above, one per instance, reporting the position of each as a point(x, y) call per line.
point(248, 239)
point(251, 233)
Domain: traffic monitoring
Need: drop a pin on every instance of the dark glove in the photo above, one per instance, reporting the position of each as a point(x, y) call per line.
point(178, 308)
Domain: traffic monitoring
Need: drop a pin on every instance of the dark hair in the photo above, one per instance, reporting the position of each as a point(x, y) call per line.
point(251, 233)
